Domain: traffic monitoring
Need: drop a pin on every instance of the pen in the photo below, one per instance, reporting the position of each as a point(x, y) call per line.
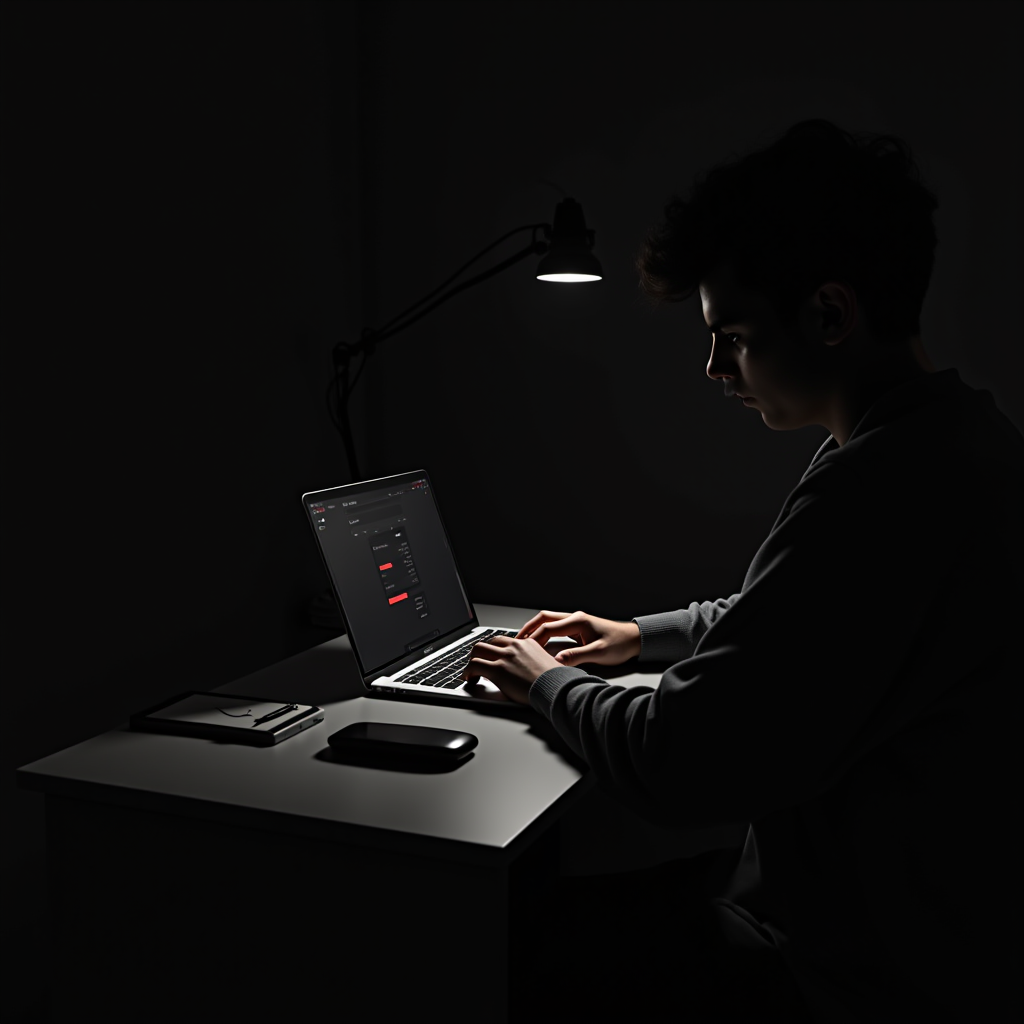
point(276, 714)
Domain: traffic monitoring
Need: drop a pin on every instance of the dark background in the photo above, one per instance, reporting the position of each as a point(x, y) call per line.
point(200, 198)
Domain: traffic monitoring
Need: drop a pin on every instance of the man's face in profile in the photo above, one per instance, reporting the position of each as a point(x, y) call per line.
point(780, 373)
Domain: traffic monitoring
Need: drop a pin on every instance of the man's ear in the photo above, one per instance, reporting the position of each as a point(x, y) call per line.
point(831, 319)
point(837, 303)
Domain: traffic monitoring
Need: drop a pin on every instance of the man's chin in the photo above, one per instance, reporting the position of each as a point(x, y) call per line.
point(773, 421)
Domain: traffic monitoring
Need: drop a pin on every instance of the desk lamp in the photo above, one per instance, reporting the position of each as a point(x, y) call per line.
point(567, 260)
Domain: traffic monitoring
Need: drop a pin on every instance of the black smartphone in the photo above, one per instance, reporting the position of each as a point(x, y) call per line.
point(386, 739)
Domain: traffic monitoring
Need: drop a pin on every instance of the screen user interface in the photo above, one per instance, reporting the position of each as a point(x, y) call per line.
point(389, 557)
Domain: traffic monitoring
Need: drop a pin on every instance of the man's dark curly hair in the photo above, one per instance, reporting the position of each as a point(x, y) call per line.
point(817, 205)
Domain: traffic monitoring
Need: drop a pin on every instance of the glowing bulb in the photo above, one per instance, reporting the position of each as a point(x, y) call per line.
point(568, 278)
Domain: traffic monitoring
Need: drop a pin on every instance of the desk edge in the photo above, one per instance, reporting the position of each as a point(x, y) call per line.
point(405, 843)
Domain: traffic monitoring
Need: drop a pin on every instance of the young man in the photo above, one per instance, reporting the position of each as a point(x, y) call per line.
point(859, 701)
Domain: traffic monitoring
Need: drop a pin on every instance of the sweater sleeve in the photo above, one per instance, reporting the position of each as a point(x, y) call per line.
point(672, 636)
point(776, 699)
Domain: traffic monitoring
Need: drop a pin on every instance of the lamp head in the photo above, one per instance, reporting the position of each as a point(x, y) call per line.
point(569, 258)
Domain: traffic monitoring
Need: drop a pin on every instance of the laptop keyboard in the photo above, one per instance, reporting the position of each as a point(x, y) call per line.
point(445, 673)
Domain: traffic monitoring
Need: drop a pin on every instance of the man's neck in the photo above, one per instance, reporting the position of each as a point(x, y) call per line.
point(874, 378)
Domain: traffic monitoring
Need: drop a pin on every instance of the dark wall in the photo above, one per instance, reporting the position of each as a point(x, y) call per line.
point(179, 228)
point(200, 198)
point(182, 192)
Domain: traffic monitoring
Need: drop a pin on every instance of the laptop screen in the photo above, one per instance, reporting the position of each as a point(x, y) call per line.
point(391, 564)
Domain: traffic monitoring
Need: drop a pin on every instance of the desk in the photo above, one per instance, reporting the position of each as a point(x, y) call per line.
point(193, 880)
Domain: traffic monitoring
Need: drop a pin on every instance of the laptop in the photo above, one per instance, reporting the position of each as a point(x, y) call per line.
point(393, 572)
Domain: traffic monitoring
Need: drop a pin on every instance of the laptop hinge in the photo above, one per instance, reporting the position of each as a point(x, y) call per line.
point(424, 652)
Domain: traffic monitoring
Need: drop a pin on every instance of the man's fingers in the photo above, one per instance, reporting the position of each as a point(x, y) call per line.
point(569, 626)
point(478, 666)
point(589, 652)
point(475, 668)
point(497, 647)
point(553, 623)
point(533, 624)
point(492, 646)
point(537, 620)
point(542, 634)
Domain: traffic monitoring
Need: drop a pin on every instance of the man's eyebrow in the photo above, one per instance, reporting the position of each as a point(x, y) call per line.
point(717, 325)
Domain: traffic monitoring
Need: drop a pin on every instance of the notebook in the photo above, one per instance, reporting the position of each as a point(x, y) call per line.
point(393, 572)
point(228, 718)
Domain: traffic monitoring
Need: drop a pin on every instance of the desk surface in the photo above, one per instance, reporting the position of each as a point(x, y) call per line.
point(516, 777)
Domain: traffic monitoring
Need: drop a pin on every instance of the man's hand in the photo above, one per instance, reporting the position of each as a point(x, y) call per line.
point(601, 641)
point(513, 665)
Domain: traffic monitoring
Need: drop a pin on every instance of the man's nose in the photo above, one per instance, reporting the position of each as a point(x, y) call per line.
point(718, 366)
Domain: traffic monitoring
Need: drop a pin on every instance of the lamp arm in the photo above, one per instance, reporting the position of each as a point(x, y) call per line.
point(483, 252)
point(373, 337)
point(341, 387)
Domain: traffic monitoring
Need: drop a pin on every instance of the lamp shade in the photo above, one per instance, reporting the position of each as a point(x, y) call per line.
point(569, 259)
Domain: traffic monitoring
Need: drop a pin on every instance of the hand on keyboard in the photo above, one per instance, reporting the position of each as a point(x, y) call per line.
point(512, 665)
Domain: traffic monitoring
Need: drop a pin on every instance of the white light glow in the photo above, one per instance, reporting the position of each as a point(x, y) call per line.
point(569, 278)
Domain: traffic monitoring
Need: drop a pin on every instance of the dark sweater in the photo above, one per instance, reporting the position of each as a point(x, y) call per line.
point(859, 704)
